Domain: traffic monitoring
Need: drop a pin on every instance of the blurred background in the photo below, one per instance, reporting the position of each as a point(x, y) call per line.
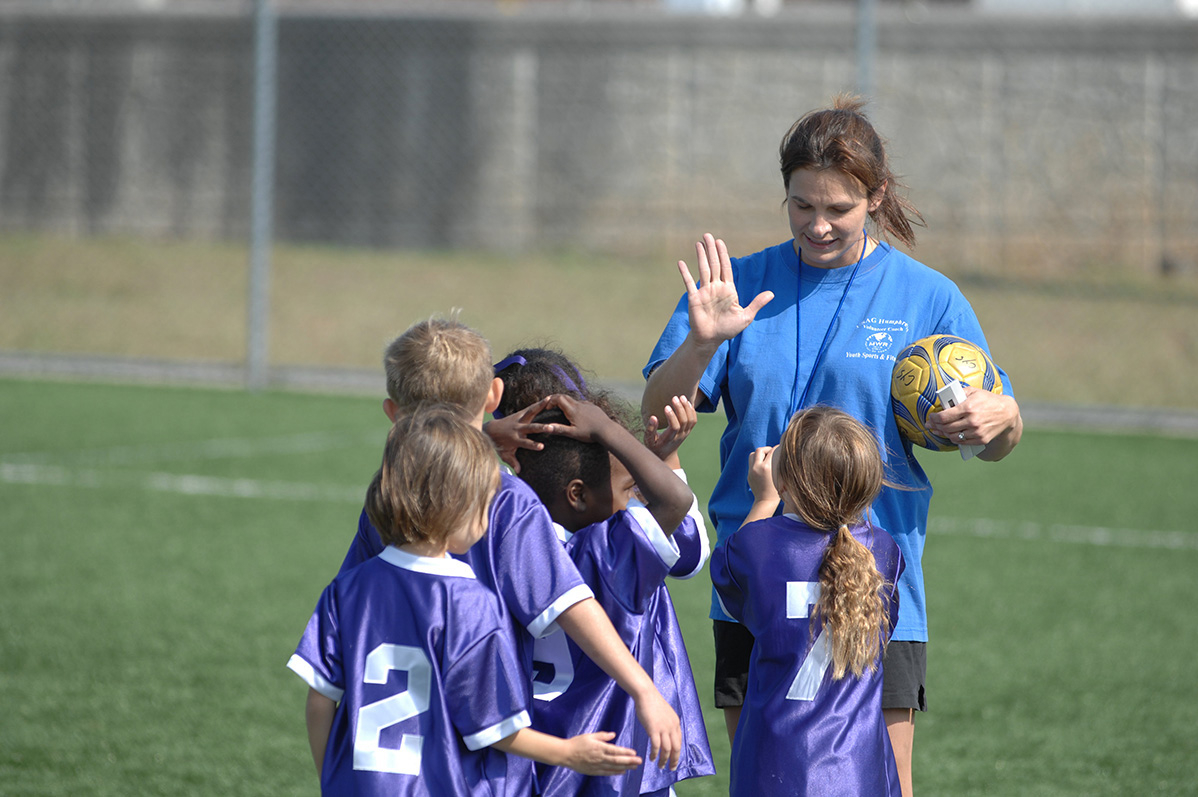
point(264, 193)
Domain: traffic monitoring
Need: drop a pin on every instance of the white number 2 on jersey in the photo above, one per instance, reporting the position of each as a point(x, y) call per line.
point(800, 597)
point(374, 717)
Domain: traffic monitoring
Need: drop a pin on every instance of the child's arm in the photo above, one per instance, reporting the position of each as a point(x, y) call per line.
point(680, 418)
point(512, 433)
point(761, 481)
point(590, 754)
point(589, 626)
point(318, 714)
point(667, 497)
point(691, 541)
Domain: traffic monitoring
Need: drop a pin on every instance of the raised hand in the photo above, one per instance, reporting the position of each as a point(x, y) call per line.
point(761, 475)
point(713, 305)
point(766, 494)
point(680, 419)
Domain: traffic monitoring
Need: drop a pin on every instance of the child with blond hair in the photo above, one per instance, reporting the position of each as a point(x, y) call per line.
point(816, 588)
point(410, 665)
point(443, 360)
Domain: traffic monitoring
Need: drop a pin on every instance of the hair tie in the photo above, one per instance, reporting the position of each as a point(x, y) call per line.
point(515, 359)
point(507, 362)
point(568, 382)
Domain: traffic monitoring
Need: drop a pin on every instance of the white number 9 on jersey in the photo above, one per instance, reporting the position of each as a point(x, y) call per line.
point(374, 717)
point(553, 669)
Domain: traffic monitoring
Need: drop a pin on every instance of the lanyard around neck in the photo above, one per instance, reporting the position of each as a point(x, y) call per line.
point(823, 346)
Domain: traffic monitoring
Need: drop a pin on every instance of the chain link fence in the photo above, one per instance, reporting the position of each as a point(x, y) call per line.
point(1052, 157)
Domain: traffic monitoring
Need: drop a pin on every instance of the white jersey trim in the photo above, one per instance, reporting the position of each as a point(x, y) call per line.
point(312, 678)
point(696, 515)
point(665, 545)
point(443, 566)
point(546, 622)
point(489, 736)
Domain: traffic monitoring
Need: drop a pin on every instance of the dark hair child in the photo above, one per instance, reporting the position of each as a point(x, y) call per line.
point(627, 520)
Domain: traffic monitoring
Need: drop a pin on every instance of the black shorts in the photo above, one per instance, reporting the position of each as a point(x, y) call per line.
point(903, 673)
point(733, 646)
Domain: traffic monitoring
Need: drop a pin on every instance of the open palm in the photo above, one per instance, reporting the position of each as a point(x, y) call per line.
point(713, 305)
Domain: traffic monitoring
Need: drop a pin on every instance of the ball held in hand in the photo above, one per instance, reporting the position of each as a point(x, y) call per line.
point(922, 369)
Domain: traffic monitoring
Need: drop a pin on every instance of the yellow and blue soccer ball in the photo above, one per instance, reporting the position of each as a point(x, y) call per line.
point(925, 367)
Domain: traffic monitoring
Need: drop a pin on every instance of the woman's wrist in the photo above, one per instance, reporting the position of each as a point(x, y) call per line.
point(702, 348)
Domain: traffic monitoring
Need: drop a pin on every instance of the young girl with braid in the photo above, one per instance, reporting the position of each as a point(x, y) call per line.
point(816, 588)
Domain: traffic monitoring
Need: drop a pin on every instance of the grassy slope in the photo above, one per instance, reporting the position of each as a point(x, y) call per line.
point(1075, 342)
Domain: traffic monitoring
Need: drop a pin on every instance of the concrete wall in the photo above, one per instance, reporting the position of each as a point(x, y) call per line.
point(1028, 146)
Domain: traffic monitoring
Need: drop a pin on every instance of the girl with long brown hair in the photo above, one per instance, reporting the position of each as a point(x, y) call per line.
point(816, 588)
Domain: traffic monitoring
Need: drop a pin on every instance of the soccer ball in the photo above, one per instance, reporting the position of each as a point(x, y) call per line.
point(925, 367)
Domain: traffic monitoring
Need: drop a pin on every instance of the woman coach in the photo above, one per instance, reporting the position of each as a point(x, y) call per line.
point(830, 310)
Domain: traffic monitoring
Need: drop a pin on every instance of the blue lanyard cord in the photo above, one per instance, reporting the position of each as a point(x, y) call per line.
point(819, 357)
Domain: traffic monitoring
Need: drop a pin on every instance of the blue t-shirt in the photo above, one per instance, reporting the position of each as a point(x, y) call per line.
point(800, 731)
point(760, 374)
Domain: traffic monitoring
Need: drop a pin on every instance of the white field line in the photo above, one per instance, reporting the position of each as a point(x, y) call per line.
point(38, 469)
point(217, 448)
point(178, 483)
point(1058, 532)
point(198, 485)
point(103, 467)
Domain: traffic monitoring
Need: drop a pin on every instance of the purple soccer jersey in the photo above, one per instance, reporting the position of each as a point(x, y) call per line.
point(421, 663)
point(800, 732)
point(625, 560)
point(535, 590)
point(520, 559)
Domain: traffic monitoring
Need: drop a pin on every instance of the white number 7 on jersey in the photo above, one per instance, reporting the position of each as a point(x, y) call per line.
point(800, 597)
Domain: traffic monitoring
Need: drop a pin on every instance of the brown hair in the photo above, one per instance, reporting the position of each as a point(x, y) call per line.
point(830, 467)
point(842, 138)
point(439, 361)
point(437, 474)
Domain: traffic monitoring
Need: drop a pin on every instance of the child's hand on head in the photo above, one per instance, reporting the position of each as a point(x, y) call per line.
point(761, 475)
point(586, 421)
point(680, 419)
point(512, 432)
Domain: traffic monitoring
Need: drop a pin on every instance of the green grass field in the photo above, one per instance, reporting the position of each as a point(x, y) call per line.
point(163, 549)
